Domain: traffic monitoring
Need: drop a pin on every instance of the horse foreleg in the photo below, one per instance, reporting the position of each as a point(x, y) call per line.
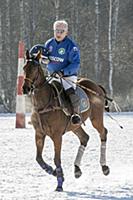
point(39, 145)
point(57, 160)
point(77, 170)
point(105, 168)
point(83, 137)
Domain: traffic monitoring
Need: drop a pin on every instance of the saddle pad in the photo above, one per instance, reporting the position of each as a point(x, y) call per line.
point(84, 102)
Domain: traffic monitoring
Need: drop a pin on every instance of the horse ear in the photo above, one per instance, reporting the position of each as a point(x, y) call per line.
point(27, 55)
point(39, 54)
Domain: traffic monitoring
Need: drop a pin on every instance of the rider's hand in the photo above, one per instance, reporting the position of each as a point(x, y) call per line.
point(60, 73)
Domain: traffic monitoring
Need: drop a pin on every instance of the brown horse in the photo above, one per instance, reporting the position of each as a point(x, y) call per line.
point(49, 120)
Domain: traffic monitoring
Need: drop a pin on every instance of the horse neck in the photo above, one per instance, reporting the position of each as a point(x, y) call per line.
point(42, 93)
point(40, 79)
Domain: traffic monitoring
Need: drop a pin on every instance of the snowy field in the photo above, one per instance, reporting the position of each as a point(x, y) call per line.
point(21, 178)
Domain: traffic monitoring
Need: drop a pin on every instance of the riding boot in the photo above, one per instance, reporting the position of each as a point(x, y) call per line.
point(75, 102)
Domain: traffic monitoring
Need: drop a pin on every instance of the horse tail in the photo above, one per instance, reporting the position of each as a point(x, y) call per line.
point(107, 99)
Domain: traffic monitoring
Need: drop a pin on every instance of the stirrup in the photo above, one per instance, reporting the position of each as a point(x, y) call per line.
point(76, 119)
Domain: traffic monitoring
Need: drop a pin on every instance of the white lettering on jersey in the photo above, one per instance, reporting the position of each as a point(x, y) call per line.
point(56, 59)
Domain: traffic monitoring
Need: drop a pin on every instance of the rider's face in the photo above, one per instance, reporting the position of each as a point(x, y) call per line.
point(60, 33)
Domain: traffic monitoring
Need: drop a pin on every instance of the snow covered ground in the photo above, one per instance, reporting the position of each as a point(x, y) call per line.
point(21, 178)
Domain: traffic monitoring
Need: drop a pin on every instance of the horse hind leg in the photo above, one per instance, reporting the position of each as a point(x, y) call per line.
point(83, 137)
point(103, 137)
point(105, 168)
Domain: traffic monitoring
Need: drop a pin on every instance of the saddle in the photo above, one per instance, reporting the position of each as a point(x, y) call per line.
point(64, 101)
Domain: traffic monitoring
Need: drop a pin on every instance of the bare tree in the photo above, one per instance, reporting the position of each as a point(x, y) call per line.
point(5, 55)
point(76, 31)
point(115, 22)
point(110, 49)
point(0, 46)
point(57, 4)
point(97, 70)
point(22, 17)
point(112, 30)
point(104, 46)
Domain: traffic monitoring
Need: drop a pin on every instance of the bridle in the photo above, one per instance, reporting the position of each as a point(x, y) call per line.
point(36, 86)
point(34, 81)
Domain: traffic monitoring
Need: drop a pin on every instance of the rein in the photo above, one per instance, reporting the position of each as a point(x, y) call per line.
point(89, 90)
point(34, 86)
point(28, 79)
point(117, 108)
point(33, 81)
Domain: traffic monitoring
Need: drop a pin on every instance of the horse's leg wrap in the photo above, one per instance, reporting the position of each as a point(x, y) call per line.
point(103, 153)
point(45, 166)
point(105, 168)
point(79, 155)
point(60, 178)
point(77, 162)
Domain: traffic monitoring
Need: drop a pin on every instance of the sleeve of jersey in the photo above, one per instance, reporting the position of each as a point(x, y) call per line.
point(74, 60)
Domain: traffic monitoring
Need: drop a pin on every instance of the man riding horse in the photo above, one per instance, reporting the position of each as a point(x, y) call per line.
point(63, 58)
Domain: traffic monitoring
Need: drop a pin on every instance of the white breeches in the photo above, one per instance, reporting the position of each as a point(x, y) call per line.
point(67, 82)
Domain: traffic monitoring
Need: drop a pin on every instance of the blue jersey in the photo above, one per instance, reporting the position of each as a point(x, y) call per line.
point(64, 56)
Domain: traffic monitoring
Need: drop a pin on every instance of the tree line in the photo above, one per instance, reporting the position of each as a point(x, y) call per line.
point(102, 29)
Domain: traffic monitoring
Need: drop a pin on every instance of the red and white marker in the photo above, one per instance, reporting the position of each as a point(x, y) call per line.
point(20, 99)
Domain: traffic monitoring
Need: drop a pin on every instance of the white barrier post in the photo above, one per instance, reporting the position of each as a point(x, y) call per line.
point(20, 99)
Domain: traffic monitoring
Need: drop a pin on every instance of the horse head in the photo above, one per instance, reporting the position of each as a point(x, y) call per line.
point(32, 72)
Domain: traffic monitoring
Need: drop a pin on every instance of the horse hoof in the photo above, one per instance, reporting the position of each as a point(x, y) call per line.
point(106, 170)
point(77, 172)
point(59, 189)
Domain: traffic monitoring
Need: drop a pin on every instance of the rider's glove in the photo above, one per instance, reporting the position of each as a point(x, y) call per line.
point(58, 74)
